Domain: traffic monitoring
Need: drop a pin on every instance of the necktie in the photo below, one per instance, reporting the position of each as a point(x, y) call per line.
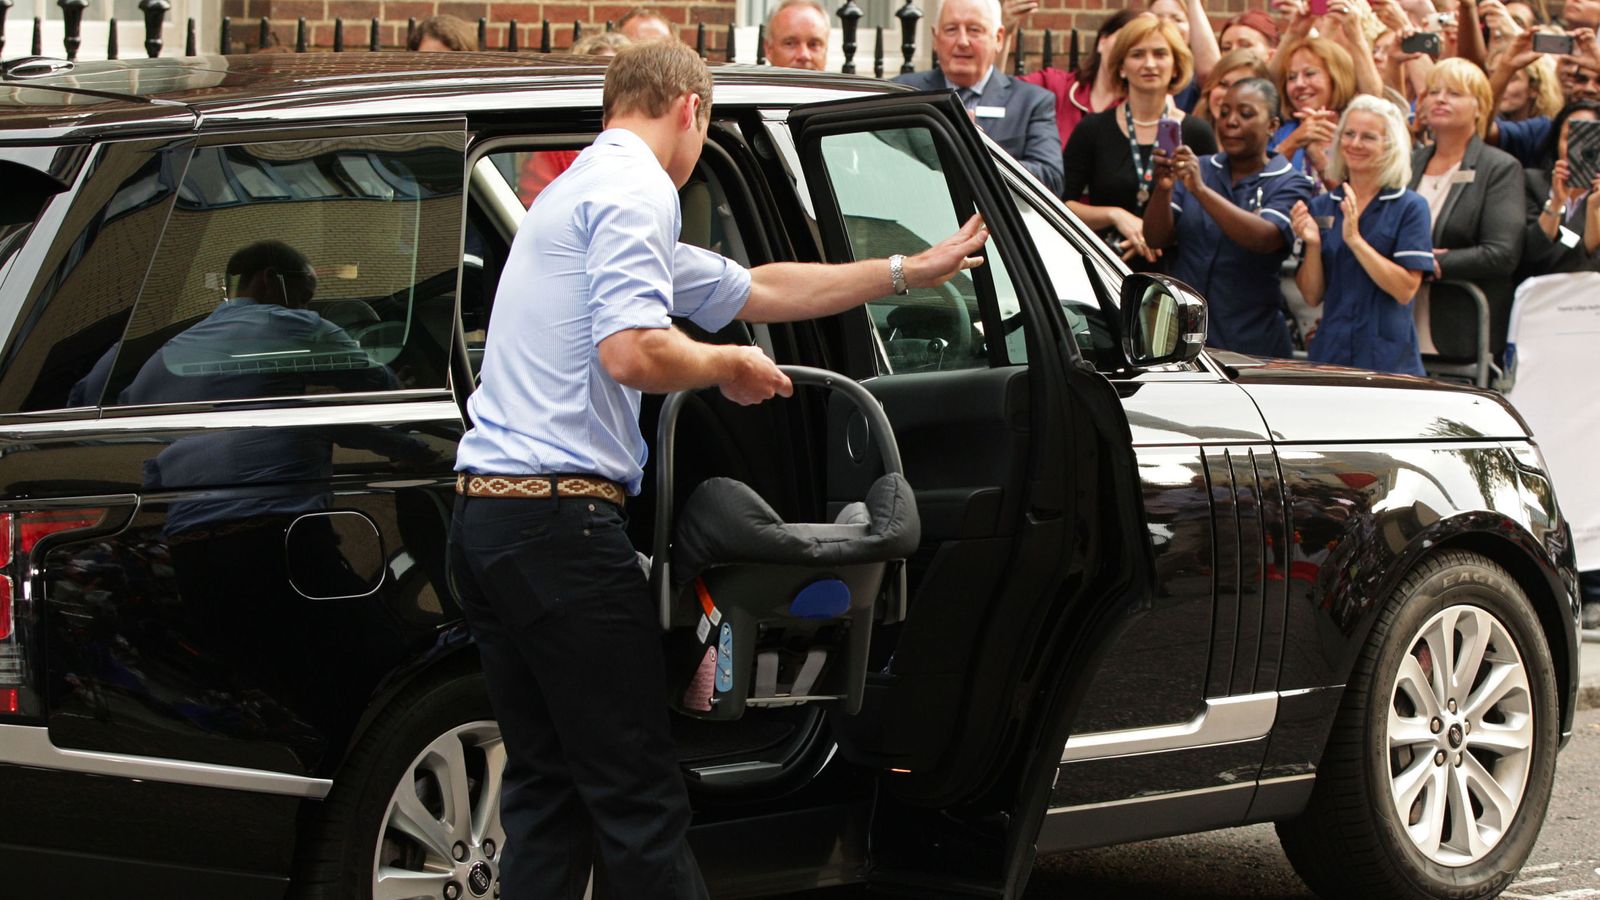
point(969, 97)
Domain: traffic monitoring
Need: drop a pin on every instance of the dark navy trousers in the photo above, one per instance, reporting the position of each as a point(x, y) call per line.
point(571, 648)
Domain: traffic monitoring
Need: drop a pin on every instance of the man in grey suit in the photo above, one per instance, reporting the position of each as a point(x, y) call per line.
point(1020, 117)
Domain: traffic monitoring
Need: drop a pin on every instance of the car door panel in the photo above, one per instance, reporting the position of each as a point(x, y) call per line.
point(197, 644)
point(962, 483)
point(1213, 627)
point(1040, 440)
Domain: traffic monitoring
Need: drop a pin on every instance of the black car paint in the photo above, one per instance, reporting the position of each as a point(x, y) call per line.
point(1281, 517)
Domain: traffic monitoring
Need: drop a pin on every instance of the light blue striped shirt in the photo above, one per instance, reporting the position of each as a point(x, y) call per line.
point(597, 253)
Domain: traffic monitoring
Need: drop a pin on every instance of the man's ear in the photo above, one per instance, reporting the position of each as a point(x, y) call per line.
point(689, 111)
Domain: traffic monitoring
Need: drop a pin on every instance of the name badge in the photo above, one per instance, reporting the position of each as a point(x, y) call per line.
point(990, 112)
point(1323, 221)
point(1464, 176)
point(1568, 237)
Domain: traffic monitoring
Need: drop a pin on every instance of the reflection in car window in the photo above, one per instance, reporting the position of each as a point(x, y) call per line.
point(1069, 276)
point(891, 189)
point(298, 267)
point(95, 268)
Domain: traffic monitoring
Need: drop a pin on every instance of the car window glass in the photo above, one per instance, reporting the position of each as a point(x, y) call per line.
point(101, 254)
point(891, 189)
point(1069, 277)
point(300, 267)
point(506, 182)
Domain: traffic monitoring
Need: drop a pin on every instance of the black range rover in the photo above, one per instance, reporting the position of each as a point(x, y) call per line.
point(1158, 589)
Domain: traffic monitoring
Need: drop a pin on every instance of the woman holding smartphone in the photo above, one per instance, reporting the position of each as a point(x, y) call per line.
point(1109, 169)
point(1563, 230)
point(1228, 215)
point(1366, 245)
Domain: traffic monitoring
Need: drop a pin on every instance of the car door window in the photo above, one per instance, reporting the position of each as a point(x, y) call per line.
point(299, 267)
point(505, 182)
point(1068, 270)
point(891, 189)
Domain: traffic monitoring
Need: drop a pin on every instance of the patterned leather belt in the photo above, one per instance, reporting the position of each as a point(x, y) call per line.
point(540, 486)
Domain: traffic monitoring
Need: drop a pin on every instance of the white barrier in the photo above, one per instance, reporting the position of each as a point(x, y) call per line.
point(1555, 328)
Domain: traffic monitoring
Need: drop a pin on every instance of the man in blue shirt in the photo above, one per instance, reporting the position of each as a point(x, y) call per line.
point(547, 578)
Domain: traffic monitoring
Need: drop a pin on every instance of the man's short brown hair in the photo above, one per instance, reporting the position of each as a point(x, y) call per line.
point(446, 29)
point(648, 76)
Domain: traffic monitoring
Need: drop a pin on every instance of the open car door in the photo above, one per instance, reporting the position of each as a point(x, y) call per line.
point(1019, 454)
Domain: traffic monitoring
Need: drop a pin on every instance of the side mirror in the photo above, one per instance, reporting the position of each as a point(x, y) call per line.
point(1163, 320)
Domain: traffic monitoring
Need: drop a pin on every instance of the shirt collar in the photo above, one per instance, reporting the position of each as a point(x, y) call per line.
point(1338, 194)
point(979, 87)
point(622, 137)
point(1276, 165)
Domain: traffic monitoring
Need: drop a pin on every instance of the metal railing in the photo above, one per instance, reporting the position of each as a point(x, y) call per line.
point(229, 41)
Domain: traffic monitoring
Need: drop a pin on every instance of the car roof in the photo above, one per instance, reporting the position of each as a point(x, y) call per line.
point(166, 94)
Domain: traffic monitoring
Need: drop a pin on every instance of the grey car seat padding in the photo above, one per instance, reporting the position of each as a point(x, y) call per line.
point(725, 522)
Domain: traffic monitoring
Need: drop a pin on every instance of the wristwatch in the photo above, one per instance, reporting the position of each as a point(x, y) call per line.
point(1549, 209)
point(897, 274)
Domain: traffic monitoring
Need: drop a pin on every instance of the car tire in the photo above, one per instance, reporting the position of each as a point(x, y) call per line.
point(417, 802)
point(1385, 819)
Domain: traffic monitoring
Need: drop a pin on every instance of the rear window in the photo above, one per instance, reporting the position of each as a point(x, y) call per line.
point(290, 268)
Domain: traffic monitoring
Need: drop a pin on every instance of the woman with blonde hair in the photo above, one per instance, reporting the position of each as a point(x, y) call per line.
point(1317, 78)
point(1234, 67)
point(1108, 165)
point(1469, 186)
point(1534, 90)
point(1366, 245)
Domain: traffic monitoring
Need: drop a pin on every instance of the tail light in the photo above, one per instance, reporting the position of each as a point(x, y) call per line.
point(19, 534)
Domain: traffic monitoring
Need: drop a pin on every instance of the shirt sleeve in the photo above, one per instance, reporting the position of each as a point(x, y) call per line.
point(1524, 139)
point(1279, 198)
point(708, 288)
point(1078, 159)
point(629, 263)
point(1413, 244)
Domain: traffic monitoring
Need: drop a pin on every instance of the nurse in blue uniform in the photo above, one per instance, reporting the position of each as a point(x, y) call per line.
point(1367, 244)
point(1228, 214)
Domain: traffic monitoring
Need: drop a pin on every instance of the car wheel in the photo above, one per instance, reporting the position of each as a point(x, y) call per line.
point(1437, 774)
point(415, 812)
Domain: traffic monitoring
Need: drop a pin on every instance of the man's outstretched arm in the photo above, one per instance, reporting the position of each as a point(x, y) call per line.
point(789, 292)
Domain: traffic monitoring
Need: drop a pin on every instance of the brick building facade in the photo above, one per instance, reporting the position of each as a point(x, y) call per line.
point(1060, 16)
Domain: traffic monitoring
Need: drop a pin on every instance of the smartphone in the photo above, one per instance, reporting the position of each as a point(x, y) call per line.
point(1169, 136)
point(1317, 7)
point(1557, 44)
point(1421, 42)
point(1583, 151)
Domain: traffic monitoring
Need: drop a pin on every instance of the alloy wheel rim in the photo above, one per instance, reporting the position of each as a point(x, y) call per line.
point(1460, 735)
point(441, 834)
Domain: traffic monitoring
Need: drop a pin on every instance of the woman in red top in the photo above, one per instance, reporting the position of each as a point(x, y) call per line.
point(1092, 87)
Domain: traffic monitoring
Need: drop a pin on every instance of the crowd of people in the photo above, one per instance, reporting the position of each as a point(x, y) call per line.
point(1364, 161)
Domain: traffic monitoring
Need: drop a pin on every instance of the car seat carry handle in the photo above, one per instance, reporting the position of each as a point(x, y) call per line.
point(666, 439)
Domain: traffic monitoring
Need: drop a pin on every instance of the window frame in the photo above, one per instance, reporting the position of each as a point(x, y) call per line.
point(354, 132)
point(830, 224)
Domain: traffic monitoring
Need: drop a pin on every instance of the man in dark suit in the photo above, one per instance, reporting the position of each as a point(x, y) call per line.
point(1020, 117)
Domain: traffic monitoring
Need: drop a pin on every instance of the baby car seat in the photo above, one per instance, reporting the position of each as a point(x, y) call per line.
point(781, 612)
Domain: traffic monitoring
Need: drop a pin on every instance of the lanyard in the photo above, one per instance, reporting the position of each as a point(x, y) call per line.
point(1144, 173)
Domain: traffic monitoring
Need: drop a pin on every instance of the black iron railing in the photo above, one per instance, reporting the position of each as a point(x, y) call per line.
point(705, 40)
